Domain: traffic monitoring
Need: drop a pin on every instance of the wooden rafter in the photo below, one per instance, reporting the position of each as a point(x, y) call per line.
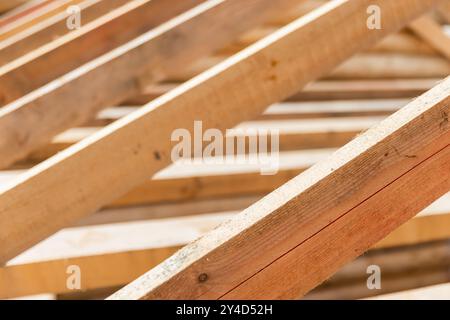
point(92, 40)
point(123, 72)
point(127, 152)
point(433, 33)
point(50, 29)
point(299, 235)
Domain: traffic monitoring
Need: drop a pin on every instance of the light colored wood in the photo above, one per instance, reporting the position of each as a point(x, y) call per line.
point(401, 42)
point(120, 252)
point(433, 33)
point(300, 234)
point(294, 134)
point(22, 11)
point(91, 174)
point(108, 255)
point(288, 110)
point(386, 66)
point(47, 11)
point(436, 292)
point(121, 73)
point(51, 29)
point(180, 182)
point(361, 66)
point(326, 90)
point(10, 4)
point(444, 10)
point(402, 268)
point(92, 40)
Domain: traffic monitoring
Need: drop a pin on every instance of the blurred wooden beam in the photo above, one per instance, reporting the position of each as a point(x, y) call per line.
point(122, 72)
point(433, 33)
point(254, 254)
point(92, 40)
point(51, 29)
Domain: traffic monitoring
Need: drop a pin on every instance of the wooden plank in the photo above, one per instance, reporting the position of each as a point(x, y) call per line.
point(433, 33)
point(434, 292)
point(180, 182)
point(370, 66)
point(401, 268)
point(401, 42)
point(11, 4)
point(51, 29)
point(288, 110)
point(361, 66)
point(97, 250)
point(376, 173)
point(92, 40)
point(49, 10)
point(444, 10)
point(120, 252)
point(325, 90)
point(105, 166)
point(120, 73)
point(294, 134)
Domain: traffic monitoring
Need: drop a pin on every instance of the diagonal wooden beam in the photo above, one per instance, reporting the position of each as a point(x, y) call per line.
point(299, 235)
point(50, 29)
point(92, 40)
point(444, 10)
point(433, 33)
point(46, 11)
point(98, 170)
point(145, 244)
point(122, 72)
point(11, 4)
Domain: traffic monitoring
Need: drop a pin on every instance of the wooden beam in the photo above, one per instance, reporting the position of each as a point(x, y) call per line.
point(444, 10)
point(401, 268)
point(98, 170)
point(294, 134)
point(120, 252)
point(288, 110)
point(433, 292)
point(121, 73)
point(325, 90)
point(50, 9)
point(92, 40)
point(299, 235)
point(11, 4)
point(361, 66)
point(51, 29)
point(433, 33)
point(364, 89)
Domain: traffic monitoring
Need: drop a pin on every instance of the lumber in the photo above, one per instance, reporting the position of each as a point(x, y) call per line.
point(120, 73)
point(22, 11)
point(434, 292)
point(309, 222)
point(361, 66)
point(132, 149)
point(402, 268)
point(288, 110)
point(92, 40)
point(325, 90)
point(294, 134)
point(388, 66)
point(401, 42)
point(51, 29)
point(180, 182)
point(433, 33)
point(444, 10)
point(44, 12)
point(10, 4)
point(117, 251)
point(120, 252)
